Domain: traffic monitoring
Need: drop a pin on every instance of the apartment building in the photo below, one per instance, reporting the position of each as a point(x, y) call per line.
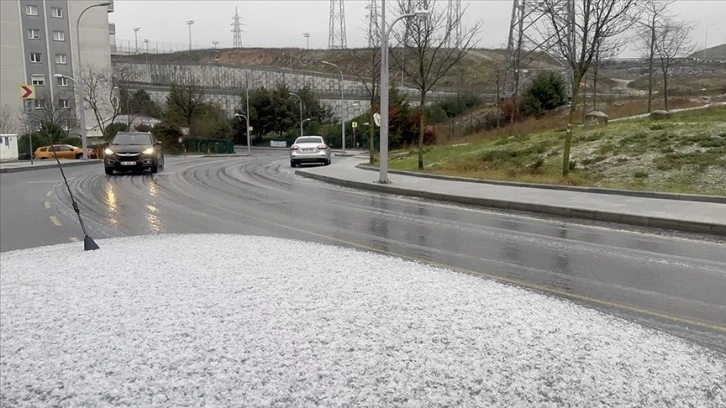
point(38, 39)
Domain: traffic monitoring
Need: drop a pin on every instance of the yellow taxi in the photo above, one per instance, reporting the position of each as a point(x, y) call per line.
point(63, 151)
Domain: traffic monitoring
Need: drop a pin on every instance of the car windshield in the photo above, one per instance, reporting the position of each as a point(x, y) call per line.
point(132, 139)
point(309, 140)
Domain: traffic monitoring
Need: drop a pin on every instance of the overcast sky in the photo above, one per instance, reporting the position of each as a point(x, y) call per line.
point(282, 23)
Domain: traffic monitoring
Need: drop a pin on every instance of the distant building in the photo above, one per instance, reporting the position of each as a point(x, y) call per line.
point(38, 41)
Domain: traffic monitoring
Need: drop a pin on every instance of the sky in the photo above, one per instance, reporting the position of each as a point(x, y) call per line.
point(253, 326)
point(282, 23)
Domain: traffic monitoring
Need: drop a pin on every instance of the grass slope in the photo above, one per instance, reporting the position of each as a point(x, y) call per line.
point(685, 154)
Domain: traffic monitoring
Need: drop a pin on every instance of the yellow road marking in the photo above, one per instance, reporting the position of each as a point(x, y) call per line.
point(55, 221)
point(46, 205)
point(49, 193)
point(74, 239)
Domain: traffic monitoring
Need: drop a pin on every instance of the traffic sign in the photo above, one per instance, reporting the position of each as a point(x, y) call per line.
point(354, 124)
point(27, 91)
point(377, 119)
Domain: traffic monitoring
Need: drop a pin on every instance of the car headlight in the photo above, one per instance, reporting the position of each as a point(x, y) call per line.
point(108, 151)
point(150, 150)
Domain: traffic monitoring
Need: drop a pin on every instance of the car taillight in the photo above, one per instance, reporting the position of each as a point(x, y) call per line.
point(294, 147)
point(322, 147)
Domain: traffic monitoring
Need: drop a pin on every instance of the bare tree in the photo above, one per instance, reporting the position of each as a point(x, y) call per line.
point(7, 124)
point(60, 112)
point(369, 75)
point(435, 51)
point(654, 13)
point(672, 41)
point(99, 92)
point(609, 51)
point(577, 35)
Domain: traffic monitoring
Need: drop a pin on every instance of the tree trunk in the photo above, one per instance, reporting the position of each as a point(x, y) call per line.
point(422, 109)
point(371, 137)
point(594, 89)
point(651, 56)
point(568, 133)
point(665, 88)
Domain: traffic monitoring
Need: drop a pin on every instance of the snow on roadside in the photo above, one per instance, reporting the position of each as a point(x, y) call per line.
point(225, 320)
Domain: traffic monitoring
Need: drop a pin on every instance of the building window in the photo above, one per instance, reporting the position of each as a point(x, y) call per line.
point(39, 103)
point(34, 34)
point(37, 80)
point(36, 57)
point(62, 81)
point(60, 59)
point(57, 12)
point(59, 36)
point(31, 10)
point(63, 103)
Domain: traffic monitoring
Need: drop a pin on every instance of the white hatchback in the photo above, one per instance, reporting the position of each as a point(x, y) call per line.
point(309, 149)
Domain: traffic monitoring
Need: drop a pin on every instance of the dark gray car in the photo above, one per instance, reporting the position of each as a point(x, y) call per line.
point(131, 151)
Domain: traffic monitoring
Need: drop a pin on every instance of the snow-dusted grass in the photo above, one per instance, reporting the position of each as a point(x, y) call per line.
point(226, 320)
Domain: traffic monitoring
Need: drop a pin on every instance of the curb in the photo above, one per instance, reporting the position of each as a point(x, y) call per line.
point(606, 216)
point(598, 190)
point(48, 166)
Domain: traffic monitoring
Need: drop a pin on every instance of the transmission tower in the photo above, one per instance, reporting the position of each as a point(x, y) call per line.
point(336, 32)
point(374, 28)
point(236, 30)
point(525, 37)
point(453, 22)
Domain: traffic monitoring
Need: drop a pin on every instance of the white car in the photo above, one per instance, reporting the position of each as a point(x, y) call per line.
point(309, 149)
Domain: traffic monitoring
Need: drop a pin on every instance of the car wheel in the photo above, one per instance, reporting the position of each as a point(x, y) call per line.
point(293, 164)
point(109, 171)
point(327, 162)
point(79, 155)
point(161, 166)
point(155, 167)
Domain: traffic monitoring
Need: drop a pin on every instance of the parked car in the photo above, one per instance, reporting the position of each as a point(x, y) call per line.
point(309, 149)
point(63, 151)
point(130, 151)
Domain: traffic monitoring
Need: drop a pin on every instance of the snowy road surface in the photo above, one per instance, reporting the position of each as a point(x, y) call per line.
point(233, 320)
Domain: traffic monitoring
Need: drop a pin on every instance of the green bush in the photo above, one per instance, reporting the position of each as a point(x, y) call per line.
point(546, 92)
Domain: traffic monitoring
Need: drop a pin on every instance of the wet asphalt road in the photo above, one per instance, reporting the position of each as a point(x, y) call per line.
point(676, 283)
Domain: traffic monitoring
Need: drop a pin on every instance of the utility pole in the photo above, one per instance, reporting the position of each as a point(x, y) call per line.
point(336, 29)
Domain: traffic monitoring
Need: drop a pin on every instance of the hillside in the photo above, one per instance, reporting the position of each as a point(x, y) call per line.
point(685, 154)
point(713, 53)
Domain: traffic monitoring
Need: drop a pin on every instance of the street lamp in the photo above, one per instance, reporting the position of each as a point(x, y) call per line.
point(307, 40)
point(342, 112)
point(190, 22)
point(301, 110)
point(383, 176)
point(136, 38)
point(79, 74)
point(215, 44)
point(247, 107)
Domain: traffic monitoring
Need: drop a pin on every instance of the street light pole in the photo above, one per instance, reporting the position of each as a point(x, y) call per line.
point(190, 22)
point(342, 101)
point(79, 84)
point(301, 110)
point(247, 120)
point(136, 38)
point(383, 168)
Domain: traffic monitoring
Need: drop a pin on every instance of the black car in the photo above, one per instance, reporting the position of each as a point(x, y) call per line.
point(130, 151)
